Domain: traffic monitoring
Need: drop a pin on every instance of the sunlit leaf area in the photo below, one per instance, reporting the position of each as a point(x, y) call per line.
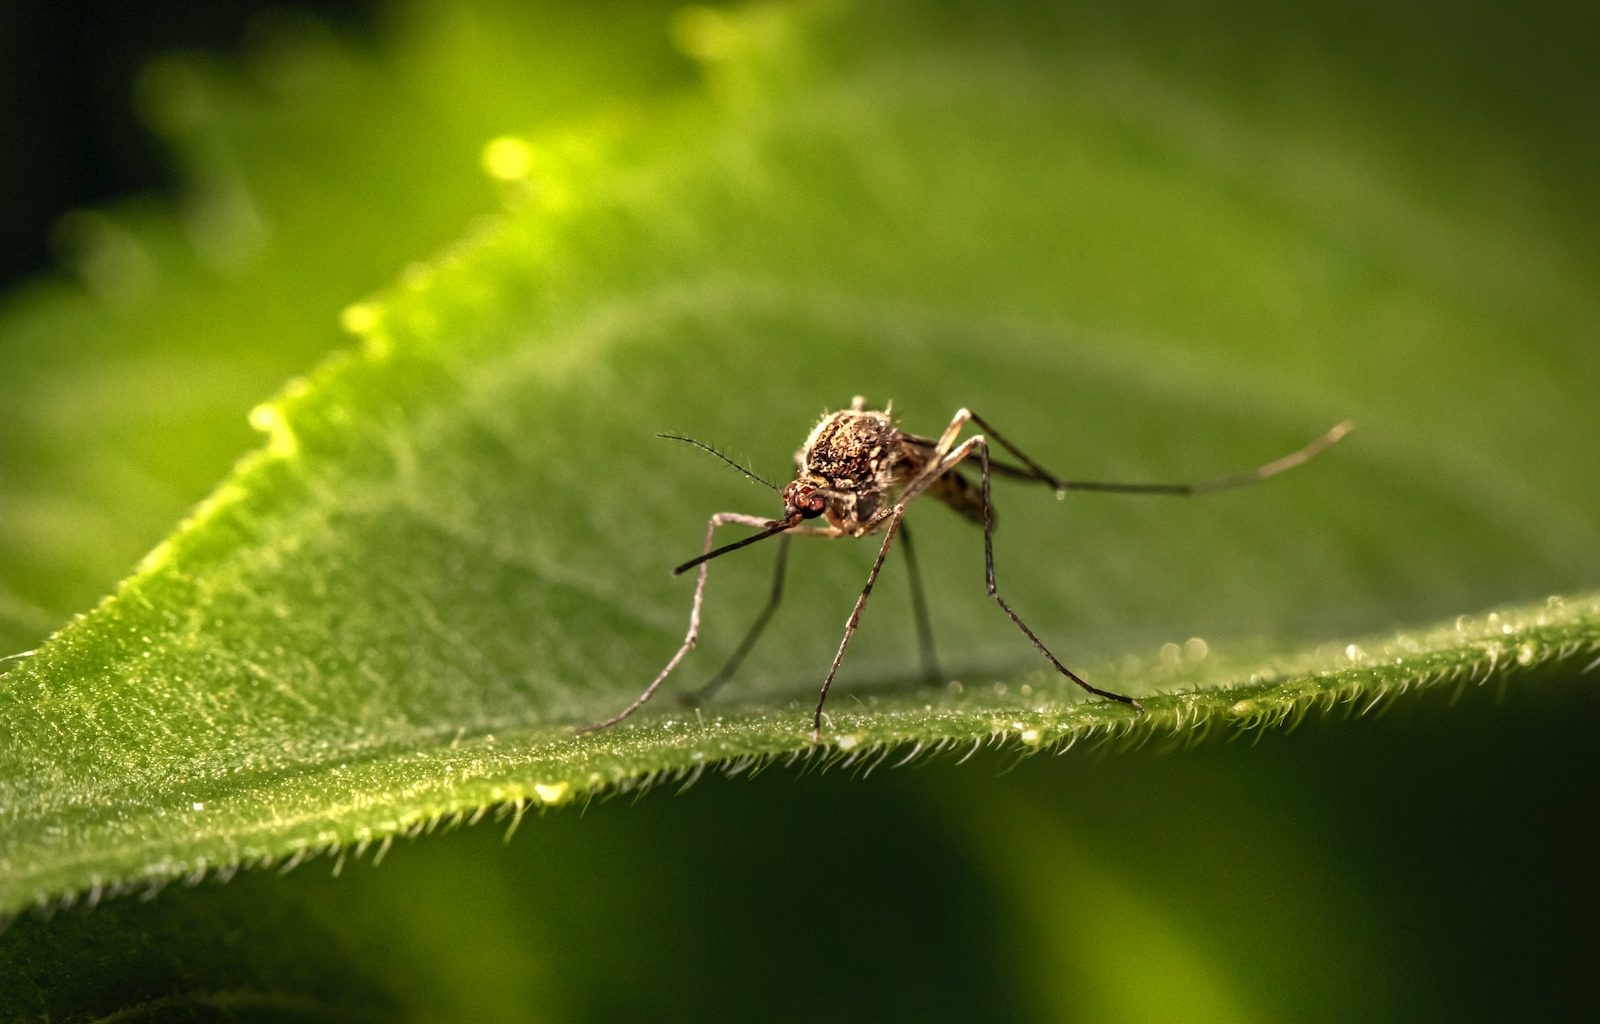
point(332, 509)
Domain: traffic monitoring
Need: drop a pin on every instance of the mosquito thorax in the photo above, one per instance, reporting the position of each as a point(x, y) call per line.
point(853, 450)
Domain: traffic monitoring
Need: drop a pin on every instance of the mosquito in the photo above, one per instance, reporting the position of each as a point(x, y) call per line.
point(857, 472)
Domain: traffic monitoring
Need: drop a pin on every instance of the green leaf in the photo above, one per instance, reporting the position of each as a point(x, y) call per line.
point(316, 172)
point(452, 547)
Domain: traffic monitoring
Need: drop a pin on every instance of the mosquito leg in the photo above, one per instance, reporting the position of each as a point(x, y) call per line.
point(945, 457)
point(947, 440)
point(893, 518)
point(1037, 472)
point(944, 465)
point(720, 519)
point(919, 609)
point(707, 691)
point(1034, 470)
point(994, 592)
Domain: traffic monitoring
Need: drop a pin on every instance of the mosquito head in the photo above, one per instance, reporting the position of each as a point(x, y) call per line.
point(804, 500)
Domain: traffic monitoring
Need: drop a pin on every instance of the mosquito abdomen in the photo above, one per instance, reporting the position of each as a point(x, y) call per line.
point(960, 494)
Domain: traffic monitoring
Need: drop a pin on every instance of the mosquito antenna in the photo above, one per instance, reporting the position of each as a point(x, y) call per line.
point(771, 531)
point(746, 470)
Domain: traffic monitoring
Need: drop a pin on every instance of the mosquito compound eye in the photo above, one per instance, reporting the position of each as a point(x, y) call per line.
point(814, 506)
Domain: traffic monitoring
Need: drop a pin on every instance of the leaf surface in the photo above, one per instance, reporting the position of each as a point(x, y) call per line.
point(452, 547)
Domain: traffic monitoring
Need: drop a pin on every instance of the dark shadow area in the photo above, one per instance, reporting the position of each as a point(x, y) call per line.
point(69, 134)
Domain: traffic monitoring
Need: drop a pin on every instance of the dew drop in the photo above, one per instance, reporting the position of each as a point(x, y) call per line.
point(552, 792)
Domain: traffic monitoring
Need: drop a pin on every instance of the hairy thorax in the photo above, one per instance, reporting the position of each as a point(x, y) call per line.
point(857, 458)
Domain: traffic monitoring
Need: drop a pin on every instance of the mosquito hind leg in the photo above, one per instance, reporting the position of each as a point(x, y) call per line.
point(979, 444)
point(1226, 481)
point(982, 447)
point(931, 673)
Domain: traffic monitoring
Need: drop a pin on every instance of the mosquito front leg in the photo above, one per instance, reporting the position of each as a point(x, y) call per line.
point(707, 691)
point(720, 519)
point(892, 516)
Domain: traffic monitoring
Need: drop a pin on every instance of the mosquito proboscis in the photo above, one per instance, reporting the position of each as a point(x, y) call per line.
point(857, 473)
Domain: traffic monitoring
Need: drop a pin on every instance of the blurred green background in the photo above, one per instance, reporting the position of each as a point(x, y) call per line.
point(1427, 864)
